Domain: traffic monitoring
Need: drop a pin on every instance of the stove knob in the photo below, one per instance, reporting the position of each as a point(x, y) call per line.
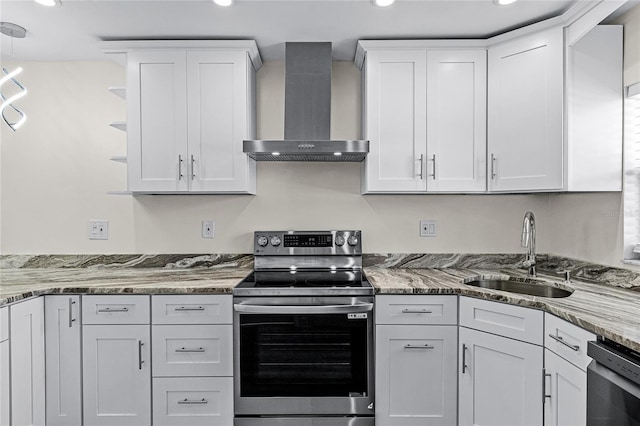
point(263, 241)
point(353, 240)
point(275, 241)
point(339, 240)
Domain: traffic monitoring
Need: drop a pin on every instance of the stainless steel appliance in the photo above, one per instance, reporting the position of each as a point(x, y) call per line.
point(303, 324)
point(613, 385)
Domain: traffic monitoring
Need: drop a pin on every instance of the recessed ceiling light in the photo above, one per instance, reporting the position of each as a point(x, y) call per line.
point(383, 3)
point(223, 2)
point(49, 2)
point(503, 2)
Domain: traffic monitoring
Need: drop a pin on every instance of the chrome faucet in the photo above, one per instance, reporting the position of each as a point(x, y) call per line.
point(528, 240)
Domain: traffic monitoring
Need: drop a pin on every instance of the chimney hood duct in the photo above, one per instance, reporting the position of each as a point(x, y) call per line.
point(307, 110)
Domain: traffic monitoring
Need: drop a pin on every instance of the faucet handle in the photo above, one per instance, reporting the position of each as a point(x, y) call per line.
point(566, 274)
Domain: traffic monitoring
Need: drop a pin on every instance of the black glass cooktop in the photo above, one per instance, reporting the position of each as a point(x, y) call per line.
point(302, 282)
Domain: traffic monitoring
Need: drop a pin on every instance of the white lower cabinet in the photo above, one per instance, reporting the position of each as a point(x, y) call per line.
point(63, 360)
point(416, 355)
point(116, 375)
point(565, 392)
point(5, 401)
point(180, 401)
point(192, 340)
point(27, 363)
point(415, 375)
point(500, 380)
point(116, 360)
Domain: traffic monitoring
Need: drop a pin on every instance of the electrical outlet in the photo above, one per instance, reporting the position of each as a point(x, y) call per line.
point(98, 229)
point(428, 228)
point(208, 228)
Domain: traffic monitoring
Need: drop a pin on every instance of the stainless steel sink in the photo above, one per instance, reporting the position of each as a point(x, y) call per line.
point(521, 286)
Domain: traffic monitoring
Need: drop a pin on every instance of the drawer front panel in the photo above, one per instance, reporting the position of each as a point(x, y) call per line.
point(515, 322)
point(188, 309)
point(193, 401)
point(99, 309)
point(567, 340)
point(192, 350)
point(412, 309)
point(4, 324)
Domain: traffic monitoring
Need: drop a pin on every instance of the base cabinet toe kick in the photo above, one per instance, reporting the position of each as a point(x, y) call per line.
point(305, 421)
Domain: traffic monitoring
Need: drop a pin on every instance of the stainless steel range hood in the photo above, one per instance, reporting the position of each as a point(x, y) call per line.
point(307, 112)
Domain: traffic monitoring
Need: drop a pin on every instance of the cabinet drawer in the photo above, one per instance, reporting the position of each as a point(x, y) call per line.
point(201, 309)
point(505, 320)
point(4, 324)
point(192, 350)
point(567, 340)
point(115, 309)
point(193, 401)
point(411, 309)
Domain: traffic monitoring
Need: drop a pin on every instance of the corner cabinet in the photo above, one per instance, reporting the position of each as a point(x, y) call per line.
point(525, 115)
point(188, 111)
point(424, 114)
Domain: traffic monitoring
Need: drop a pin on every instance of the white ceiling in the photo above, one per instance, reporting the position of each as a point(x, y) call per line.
point(74, 30)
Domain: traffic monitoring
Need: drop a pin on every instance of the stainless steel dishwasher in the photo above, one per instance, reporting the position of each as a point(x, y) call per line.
point(613, 385)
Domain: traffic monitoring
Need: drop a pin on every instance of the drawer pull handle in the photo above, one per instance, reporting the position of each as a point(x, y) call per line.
point(190, 350)
point(561, 340)
point(125, 309)
point(193, 401)
point(140, 360)
point(416, 311)
point(410, 346)
point(190, 308)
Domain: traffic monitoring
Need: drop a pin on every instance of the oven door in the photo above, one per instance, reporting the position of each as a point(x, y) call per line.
point(303, 355)
point(612, 400)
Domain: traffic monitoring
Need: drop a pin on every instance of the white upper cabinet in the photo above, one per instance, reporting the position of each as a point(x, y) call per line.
point(525, 115)
point(456, 120)
point(188, 112)
point(425, 117)
point(594, 111)
point(394, 118)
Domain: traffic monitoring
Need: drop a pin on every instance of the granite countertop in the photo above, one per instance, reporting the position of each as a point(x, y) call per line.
point(608, 310)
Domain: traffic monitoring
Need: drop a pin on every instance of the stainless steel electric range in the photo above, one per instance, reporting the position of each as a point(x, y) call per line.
point(304, 332)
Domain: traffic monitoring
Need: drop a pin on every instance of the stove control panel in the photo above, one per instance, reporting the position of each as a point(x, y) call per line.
point(319, 243)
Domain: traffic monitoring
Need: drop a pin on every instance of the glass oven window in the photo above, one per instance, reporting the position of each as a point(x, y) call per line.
point(303, 355)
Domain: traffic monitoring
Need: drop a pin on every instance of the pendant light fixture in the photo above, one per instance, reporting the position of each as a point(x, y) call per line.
point(13, 31)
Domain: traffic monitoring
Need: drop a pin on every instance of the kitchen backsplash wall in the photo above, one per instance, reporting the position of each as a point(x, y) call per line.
point(55, 175)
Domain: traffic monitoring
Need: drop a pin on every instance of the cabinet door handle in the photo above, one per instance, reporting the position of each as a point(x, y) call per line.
point(544, 385)
point(410, 346)
point(190, 350)
point(193, 401)
point(140, 361)
point(420, 160)
point(71, 318)
point(193, 173)
point(180, 176)
point(433, 159)
point(493, 166)
point(464, 358)
point(189, 308)
point(416, 311)
point(559, 339)
point(123, 309)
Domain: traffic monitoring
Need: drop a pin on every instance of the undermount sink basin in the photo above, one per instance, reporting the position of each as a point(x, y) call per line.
point(522, 286)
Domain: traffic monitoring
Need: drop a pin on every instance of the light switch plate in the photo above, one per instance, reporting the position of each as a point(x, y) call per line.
point(428, 228)
point(208, 228)
point(98, 229)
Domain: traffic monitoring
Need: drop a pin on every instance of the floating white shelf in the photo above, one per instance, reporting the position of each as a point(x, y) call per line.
point(120, 92)
point(120, 125)
point(119, 158)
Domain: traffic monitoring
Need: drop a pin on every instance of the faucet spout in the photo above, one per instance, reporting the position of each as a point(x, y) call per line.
point(528, 240)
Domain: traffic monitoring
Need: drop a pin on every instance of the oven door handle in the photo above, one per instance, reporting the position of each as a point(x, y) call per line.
point(303, 309)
